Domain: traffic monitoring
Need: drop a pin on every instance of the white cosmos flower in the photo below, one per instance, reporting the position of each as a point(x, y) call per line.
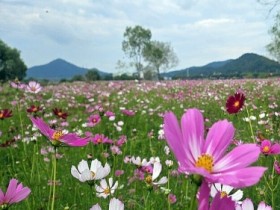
point(150, 180)
point(115, 204)
point(95, 172)
point(225, 190)
point(104, 190)
point(137, 161)
point(33, 87)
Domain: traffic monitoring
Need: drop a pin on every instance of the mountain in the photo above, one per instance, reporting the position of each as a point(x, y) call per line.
point(247, 65)
point(58, 69)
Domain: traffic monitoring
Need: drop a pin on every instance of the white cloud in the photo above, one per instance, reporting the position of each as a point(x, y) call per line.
point(89, 33)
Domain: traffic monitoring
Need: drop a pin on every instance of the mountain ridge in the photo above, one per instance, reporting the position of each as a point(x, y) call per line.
point(247, 65)
point(58, 69)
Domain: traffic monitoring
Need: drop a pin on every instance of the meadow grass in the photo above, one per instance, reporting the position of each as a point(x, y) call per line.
point(24, 160)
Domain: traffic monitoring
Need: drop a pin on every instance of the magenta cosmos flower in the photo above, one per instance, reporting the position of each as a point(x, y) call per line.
point(207, 157)
point(267, 148)
point(15, 193)
point(57, 137)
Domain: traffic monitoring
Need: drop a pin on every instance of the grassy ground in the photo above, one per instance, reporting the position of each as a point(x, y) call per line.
point(24, 161)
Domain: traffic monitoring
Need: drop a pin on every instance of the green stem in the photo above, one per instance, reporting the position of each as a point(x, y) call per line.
point(54, 179)
point(250, 124)
point(193, 205)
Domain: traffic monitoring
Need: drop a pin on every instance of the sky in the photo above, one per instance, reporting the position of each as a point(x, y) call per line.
point(89, 33)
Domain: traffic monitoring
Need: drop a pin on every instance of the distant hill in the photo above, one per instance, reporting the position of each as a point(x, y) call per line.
point(58, 69)
point(247, 65)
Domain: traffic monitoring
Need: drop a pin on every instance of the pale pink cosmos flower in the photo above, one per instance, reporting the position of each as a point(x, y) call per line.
point(248, 205)
point(15, 193)
point(33, 87)
point(207, 157)
point(57, 137)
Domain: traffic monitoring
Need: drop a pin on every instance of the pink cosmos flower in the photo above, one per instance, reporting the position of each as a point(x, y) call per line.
point(277, 167)
point(33, 87)
point(268, 149)
point(57, 137)
point(93, 120)
point(15, 193)
point(100, 139)
point(207, 157)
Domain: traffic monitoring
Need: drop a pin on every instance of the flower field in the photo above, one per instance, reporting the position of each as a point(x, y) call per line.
point(198, 144)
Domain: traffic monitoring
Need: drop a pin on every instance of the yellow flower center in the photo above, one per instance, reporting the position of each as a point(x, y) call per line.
point(266, 149)
point(107, 191)
point(148, 179)
point(1, 115)
point(236, 104)
point(223, 194)
point(99, 140)
point(205, 161)
point(92, 174)
point(59, 114)
point(94, 120)
point(57, 135)
point(33, 88)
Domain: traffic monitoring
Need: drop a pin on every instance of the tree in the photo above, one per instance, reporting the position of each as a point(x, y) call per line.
point(135, 40)
point(274, 46)
point(160, 56)
point(92, 75)
point(11, 65)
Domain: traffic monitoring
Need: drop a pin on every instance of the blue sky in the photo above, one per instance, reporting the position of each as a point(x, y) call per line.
point(89, 33)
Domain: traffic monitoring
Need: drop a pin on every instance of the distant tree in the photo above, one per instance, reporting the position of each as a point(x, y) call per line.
point(135, 40)
point(160, 56)
point(11, 65)
point(78, 78)
point(92, 75)
point(274, 46)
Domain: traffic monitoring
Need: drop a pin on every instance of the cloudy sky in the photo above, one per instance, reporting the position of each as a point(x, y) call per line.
point(89, 33)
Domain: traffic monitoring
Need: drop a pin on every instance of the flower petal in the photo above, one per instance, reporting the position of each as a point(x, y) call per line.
point(192, 125)
point(218, 139)
point(42, 126)
point(240, 157)
point(174, 138)
point(243, 177)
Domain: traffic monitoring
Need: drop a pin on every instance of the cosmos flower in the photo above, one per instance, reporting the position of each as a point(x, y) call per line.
point(93, 120)
point(17, 84)
point(219, 202)
point(104, 190)
point(277, 167)
point(33, 87)
point(100, 139)
point(59, 113)
point(207, 157)
point(15, 193)
point(115, 204)
point(226, 190)
point(95, 172)
point(57, 137)
point(150, 179)
point(248, 205)
point(5, 113)
point(33, 109)
point(267, 148)
point(235, 103)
